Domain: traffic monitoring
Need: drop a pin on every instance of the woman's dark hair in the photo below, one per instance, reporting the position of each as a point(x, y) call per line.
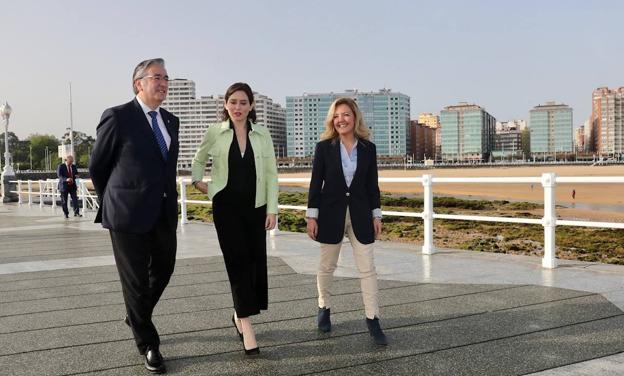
point(240, 86)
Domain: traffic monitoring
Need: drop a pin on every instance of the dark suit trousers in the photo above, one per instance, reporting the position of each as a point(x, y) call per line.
point(242, 237)
point(145, 263)
point(74, 198)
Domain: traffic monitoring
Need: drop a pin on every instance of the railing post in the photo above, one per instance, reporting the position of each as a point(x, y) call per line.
point(83, 192)
point(54, 194)
point(427, 214)
point(549, 182)
point(19, 192)
point(29, 192)
point(183, 216)
point(41, 193)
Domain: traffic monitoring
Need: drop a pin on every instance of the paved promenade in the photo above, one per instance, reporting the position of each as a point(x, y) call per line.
point(452, 313)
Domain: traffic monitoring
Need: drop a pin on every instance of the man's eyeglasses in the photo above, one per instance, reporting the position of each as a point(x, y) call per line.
point(158, 78)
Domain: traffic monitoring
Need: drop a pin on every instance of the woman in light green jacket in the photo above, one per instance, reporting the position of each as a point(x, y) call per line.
point(243, 189)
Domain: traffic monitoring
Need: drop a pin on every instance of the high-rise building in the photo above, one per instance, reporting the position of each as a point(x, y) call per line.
point(432, 121)
point(551, 129)
point(467, 133)
point(386, 113)
point(508, 139)
point(608, 121)
point(588, 139)
point(579, 139)
point(429, 119)
point(422, 140)
point(197, 113)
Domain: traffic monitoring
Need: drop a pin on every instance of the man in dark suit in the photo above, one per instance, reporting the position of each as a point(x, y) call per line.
point(67, 174)
point(133, 169)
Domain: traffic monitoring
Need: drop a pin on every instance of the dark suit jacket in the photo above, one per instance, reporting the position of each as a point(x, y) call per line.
point(129, 173)
point(330, 194)
point(63, 173)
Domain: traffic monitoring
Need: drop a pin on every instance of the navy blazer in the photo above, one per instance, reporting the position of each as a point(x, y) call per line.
point(63, 173)
point(132, 179)
point(330, 194)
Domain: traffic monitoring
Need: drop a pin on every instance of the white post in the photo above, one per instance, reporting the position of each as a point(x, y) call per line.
point(41, 193)
point(83, 192)
point(549, 221)
point(427, 248)
point(29, 192)
point(19, 192)
point(275, 231)
point(183, 217)
point(54, 186)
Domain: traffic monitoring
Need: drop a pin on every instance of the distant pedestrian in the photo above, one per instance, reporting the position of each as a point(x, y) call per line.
point(67, 174)
point(573, 194)
point(531, 187)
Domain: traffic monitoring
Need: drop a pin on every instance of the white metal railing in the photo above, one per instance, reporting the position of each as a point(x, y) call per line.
point(548, 181)
point(47, 190)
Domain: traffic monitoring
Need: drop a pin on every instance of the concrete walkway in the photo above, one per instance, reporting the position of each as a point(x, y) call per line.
point(452, 313)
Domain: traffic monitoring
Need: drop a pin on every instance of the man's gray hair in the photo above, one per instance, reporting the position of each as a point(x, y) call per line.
point(139, 71)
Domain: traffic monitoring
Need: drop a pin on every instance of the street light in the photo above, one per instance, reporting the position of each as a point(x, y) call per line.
point(7, 174)
point(5, 112)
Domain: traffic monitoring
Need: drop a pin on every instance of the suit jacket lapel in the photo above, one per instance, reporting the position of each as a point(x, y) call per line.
point(361, 160)
point(170, 130)
point(338, 155)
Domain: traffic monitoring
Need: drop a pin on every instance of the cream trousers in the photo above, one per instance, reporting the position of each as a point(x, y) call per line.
point(364, 260)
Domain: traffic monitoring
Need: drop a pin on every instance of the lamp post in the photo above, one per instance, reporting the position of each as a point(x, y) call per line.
point(7, 173)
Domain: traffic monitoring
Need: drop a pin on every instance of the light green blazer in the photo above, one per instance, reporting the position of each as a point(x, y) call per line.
point(216, 144)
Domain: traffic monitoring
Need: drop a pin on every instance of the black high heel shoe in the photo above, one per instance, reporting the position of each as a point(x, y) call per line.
point(254, 351)
point(240, 335)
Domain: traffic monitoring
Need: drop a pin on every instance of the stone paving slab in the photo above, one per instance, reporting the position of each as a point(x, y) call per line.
point(497, 317)
point(422, 321)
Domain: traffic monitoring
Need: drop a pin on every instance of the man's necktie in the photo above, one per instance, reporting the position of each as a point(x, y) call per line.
point(158, 134)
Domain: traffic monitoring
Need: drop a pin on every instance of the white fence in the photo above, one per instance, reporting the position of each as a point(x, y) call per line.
point(47, 189)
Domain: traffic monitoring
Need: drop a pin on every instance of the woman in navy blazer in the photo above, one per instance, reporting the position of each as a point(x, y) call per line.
point(344, 200)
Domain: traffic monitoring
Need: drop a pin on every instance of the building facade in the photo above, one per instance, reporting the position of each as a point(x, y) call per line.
point(608, 122)
point(467, 132)
point(579, 139)
point(197, 113)
point(433, 121)
point(386, 113)
point(551, 130)
point(422, 140)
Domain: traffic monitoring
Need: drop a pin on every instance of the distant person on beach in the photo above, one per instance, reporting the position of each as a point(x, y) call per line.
point(67, 174)
point(133, 169)
point(243, 190)
point(573, 194)
point(344, 200)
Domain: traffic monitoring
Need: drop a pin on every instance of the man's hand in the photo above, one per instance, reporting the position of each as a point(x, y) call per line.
point(202, 187)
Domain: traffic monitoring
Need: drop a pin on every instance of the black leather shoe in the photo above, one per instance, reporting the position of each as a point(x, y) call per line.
point(77, 215)
point(323, 321)
point(374, 329)
point(127, 321)
point(240, 335)
point(66, 216)
point(154, 361)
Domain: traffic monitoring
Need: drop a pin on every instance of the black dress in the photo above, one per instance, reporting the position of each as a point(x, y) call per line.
point(241, 233)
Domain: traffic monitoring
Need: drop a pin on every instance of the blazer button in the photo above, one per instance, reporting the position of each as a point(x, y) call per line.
point(347, 194)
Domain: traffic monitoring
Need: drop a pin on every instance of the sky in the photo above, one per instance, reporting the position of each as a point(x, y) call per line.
point(506, 56)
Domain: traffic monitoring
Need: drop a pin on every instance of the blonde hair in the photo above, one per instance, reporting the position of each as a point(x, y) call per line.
point(361, 130)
